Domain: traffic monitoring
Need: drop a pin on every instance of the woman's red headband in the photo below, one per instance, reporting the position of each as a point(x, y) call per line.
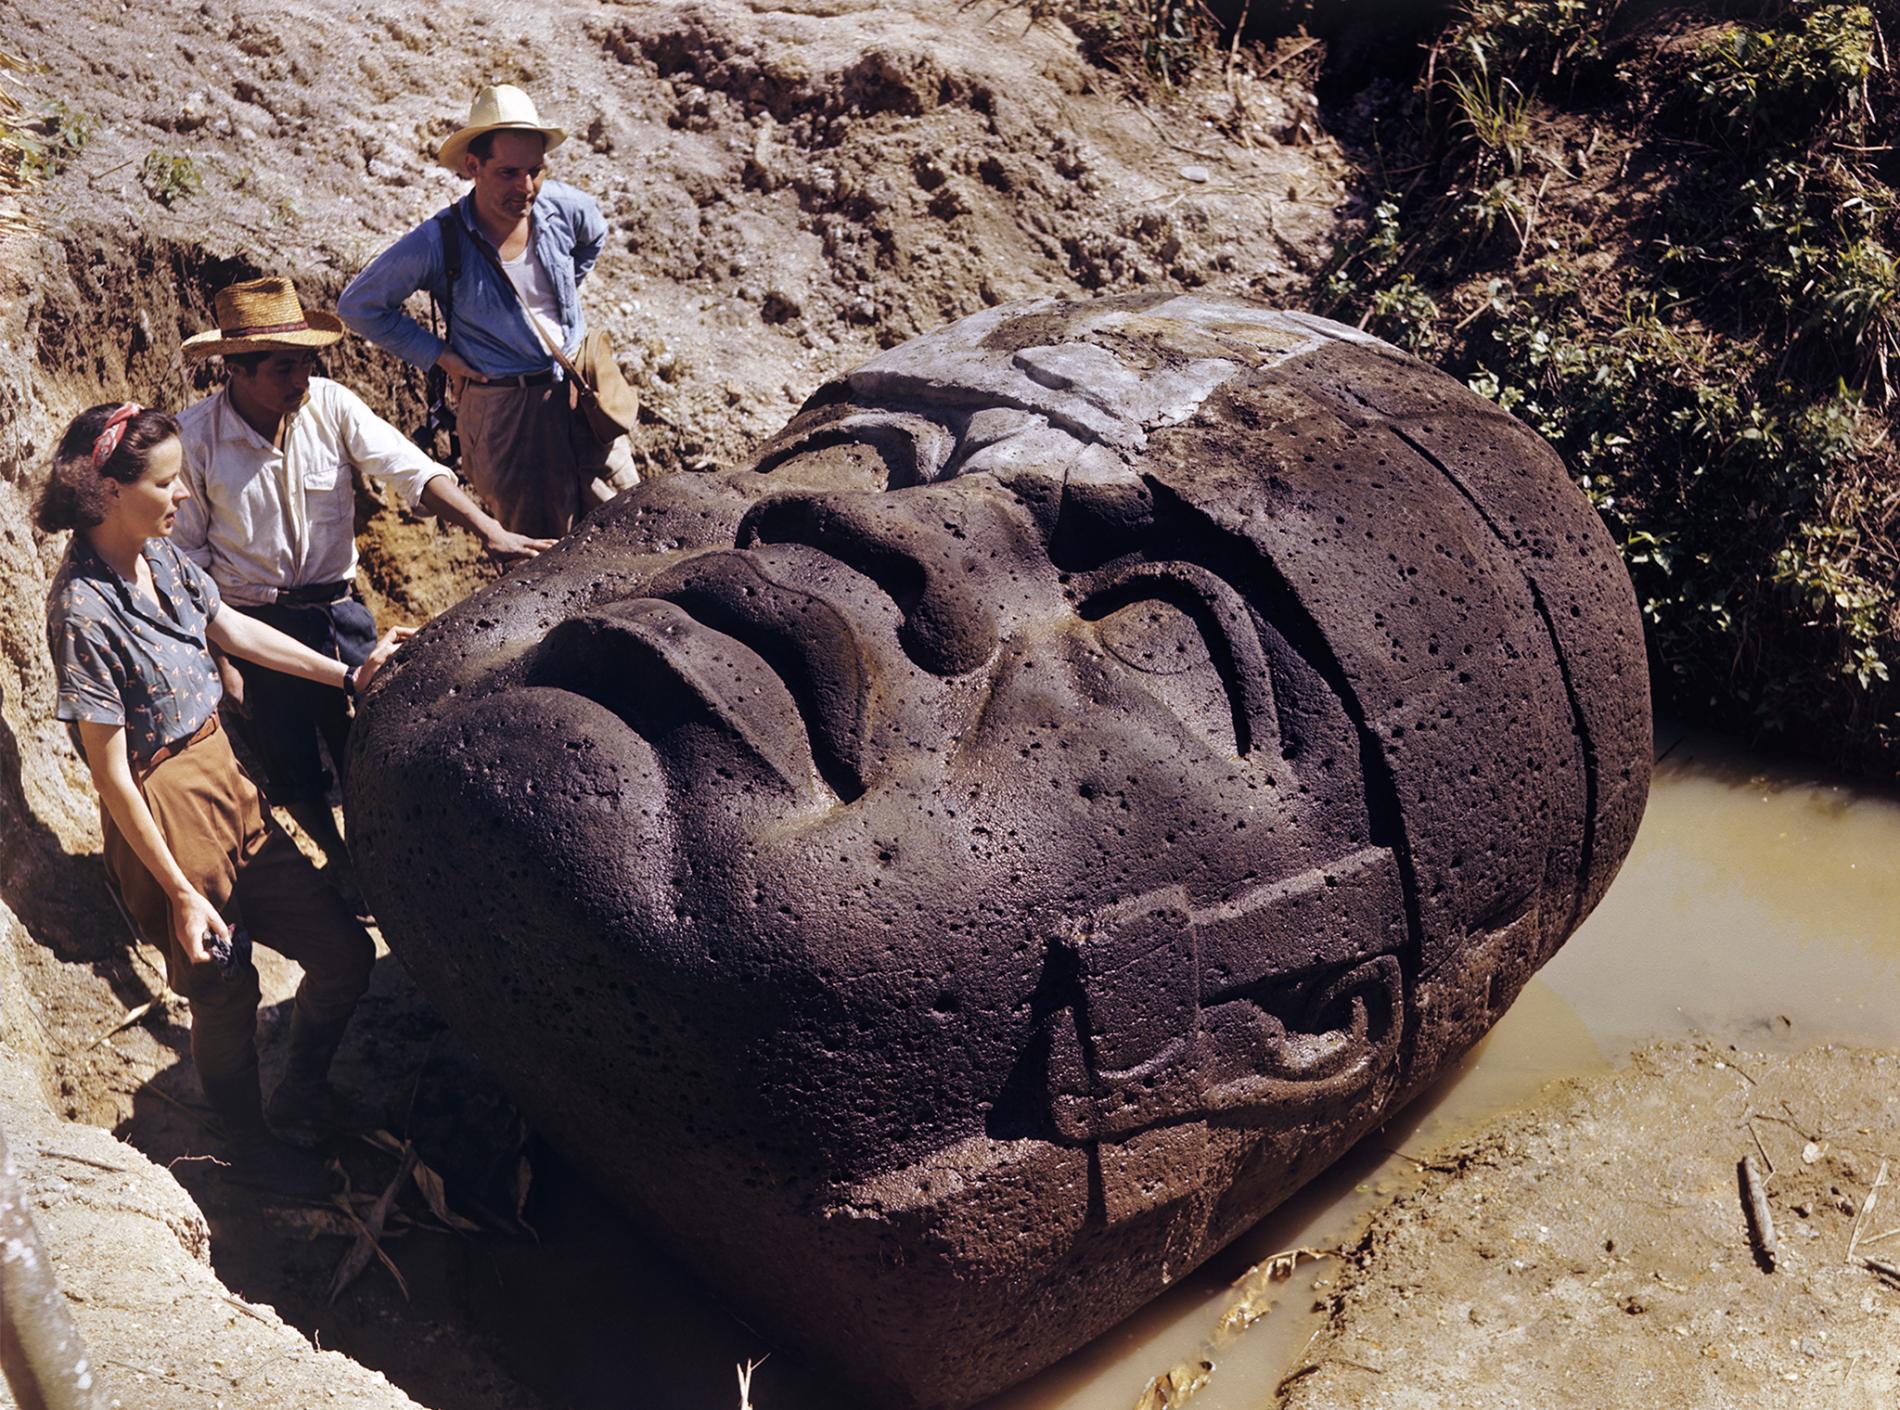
point(108, 440)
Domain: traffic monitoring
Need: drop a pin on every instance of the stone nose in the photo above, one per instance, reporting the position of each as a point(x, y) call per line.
point(938, 552)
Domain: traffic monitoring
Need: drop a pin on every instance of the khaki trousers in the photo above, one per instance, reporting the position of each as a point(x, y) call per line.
point(214, 822)
point(528, 453)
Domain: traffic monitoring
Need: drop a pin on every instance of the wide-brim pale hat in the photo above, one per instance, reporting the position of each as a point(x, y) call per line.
point(261, 315)
point(499, 107)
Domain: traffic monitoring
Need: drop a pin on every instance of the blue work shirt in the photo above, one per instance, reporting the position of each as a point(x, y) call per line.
point(121, 659)
point(489, 330)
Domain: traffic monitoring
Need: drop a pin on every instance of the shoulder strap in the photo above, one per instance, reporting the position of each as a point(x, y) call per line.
point(450, 224)
point(488, 253)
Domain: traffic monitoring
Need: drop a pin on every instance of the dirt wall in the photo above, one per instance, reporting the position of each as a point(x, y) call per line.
point(788, 186)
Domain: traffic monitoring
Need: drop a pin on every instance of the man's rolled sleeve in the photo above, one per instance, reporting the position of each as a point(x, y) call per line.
point(88, 688)
point(590, 234)
point(378, 449)
point(371, 307)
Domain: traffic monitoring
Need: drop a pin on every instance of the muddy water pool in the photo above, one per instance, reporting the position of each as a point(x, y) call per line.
point(1760, 907)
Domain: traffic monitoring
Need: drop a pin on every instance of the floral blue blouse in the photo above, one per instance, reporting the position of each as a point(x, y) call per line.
point(124, 660)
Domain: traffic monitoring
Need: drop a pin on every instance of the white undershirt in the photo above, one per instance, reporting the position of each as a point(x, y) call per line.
point(537, 291)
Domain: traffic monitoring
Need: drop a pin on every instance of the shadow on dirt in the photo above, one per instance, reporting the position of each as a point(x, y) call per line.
point(513, 1286)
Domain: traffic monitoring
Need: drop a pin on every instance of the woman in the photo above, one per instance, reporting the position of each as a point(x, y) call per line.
point(187, 837)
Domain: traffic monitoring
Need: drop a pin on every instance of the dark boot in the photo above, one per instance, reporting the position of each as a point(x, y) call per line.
point(235, 1101)
point(256, 1157)
point(300, 1109)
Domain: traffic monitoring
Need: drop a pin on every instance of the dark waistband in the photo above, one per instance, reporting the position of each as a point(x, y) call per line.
point(312, 595)
point(179, 746)
point(519, 379)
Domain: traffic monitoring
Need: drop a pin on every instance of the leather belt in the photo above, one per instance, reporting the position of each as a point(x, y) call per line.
point(179, 746)
point(519, 379)
point(315, 594)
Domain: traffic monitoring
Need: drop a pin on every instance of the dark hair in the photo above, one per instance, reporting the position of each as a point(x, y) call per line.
point(483, 147)
point(75, 494)
point(244, 362)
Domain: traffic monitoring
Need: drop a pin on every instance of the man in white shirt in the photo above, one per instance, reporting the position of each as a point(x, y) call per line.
point(269, 462)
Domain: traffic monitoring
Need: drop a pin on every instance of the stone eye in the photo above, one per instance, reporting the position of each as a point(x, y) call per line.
point(1180, 649)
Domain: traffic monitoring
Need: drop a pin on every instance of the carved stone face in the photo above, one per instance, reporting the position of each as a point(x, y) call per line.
point(954, 874)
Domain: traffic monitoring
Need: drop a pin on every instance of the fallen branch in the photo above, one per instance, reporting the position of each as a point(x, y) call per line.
point(168, 1098)
point(1280, 61)
point(269, 1361)
point(370, 1231)
point(1761, 1222)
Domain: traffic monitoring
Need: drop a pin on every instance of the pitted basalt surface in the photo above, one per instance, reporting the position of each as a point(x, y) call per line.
point(952, 876)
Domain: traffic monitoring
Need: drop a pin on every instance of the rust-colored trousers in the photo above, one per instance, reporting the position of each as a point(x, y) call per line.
point(212, 818)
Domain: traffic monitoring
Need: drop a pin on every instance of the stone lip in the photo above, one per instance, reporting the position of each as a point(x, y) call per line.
point(951, 877)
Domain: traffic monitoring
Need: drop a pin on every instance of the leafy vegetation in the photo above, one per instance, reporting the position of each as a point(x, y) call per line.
point(34, 145)
point(1163, 40)
point(167, 177)
point(1667, 239)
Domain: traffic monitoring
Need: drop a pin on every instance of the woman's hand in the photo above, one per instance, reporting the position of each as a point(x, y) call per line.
point(193, 919)
point(385, 648)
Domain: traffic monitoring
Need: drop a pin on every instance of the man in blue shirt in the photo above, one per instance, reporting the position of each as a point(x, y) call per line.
point(523, 244)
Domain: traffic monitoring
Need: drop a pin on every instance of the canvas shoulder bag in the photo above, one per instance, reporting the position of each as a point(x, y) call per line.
point(610, 406)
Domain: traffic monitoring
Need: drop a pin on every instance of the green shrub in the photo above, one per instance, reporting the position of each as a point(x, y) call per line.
point(1718, 376)
point(33, 146)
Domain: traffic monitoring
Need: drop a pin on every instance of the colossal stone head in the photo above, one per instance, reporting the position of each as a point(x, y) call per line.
point(953, 875)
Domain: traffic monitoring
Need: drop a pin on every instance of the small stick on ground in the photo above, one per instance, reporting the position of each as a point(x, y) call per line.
point(745, 1381)
point(1866, 1208)
point(131, 1018)
point(1761, 1222)
point(1306, 1368)
point(250, 1311)
point(260, 1366)
point(1749, 1122)
point(1883, 1268)
point(88, 1160)
point(178, 1160)
point(1437, 1167)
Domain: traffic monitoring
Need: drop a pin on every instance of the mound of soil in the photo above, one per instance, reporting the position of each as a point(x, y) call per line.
point(1596, 1250)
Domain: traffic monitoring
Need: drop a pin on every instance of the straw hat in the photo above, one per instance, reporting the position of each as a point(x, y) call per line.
point(497, 107)
point(260, 315)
